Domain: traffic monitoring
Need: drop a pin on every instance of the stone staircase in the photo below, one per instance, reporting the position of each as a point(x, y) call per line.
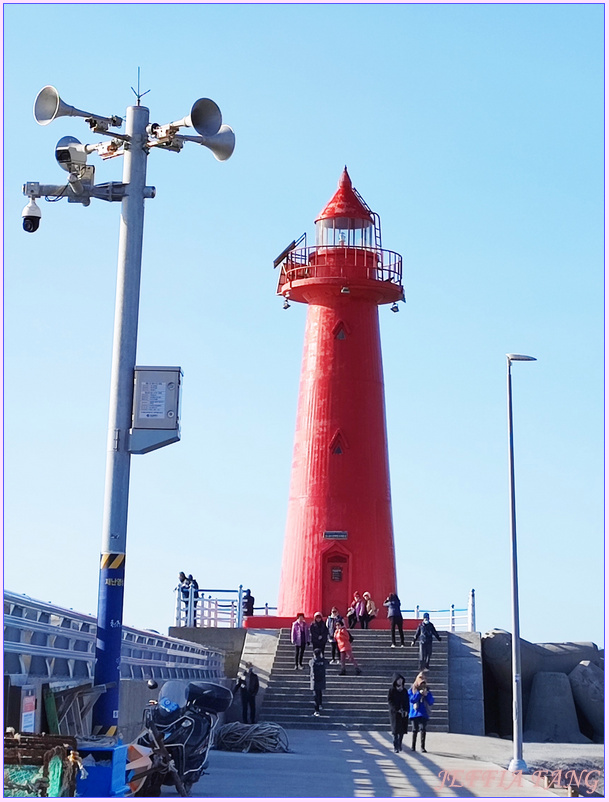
point(351, 701)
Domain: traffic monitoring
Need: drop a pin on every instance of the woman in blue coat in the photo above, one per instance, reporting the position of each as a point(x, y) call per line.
point(421, 699)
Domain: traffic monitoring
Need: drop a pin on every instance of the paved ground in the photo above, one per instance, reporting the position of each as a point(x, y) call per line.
point(350, 764)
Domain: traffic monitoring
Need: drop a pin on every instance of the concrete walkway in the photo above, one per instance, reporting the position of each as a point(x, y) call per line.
point(353, 764)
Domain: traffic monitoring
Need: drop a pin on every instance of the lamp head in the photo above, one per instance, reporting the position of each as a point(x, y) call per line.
point(520, 358)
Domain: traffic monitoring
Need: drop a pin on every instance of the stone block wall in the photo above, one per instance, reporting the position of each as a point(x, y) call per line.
point(465, 687)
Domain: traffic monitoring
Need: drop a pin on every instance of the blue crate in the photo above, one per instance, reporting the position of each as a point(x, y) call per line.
point(107, 778)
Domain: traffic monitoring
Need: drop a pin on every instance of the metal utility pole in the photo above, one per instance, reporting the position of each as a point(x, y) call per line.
point(144, 402)
point(116, 499)
point(517, 763)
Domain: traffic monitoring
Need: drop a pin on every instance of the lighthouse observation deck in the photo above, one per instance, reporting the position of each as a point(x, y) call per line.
point(362, 270)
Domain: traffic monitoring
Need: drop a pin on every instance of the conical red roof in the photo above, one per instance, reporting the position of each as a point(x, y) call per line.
point(345, 202)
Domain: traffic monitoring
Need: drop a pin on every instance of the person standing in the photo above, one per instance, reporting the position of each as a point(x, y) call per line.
point(318, 633)
point(359, 608)
point(193, 586)
point(333, 619)
point(352, 612)
point(318, 677)
point(247, 603)
point(397, 699)
point(394, 614)
point(249, 684)
point(183, 589)
point(425, 634)
point(300, 638)
point(344, 639)
point(421, 699)
point(370, 611)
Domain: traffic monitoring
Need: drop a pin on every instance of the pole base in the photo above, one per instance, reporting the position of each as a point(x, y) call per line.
point(518, 765)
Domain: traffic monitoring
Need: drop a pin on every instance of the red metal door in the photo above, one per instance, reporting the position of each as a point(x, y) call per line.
point(335, 582)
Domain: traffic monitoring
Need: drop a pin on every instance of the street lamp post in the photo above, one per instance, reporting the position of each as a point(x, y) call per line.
point(517, 763)
point(144, 418)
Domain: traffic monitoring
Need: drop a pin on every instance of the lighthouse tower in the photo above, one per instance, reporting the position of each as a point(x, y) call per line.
point(339, 533)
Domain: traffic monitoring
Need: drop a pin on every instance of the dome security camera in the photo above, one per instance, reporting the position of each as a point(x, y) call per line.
point(31, 217)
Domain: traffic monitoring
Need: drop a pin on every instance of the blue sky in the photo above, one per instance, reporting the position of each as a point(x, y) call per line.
point(476, 132)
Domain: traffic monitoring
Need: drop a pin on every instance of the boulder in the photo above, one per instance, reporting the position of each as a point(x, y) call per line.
point(534, 657)
point(587, 686)
point(551, 716)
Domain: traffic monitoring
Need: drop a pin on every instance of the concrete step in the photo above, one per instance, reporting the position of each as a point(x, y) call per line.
point(352, 701)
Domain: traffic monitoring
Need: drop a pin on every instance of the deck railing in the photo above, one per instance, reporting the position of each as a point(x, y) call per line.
point(199, 608)
point(376, 265)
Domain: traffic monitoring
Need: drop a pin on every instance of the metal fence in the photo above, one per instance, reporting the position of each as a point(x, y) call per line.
point(200, 608)
point(45, 641)
point(450, 619)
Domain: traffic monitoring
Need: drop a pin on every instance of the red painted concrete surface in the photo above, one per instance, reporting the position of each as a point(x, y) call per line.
point(339, 532)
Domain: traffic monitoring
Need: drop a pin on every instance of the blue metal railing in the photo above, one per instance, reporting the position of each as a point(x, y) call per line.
point(43, 640)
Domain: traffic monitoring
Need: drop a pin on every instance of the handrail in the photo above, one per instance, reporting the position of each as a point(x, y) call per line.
point(144, 654)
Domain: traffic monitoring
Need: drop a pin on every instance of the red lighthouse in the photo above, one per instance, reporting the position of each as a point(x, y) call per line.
point(339, 533)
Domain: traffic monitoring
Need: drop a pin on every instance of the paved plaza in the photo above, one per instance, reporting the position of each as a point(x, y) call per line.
point(354, 764)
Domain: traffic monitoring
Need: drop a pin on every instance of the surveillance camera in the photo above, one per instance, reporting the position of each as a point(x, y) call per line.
point(31, 217)
point(71, 154)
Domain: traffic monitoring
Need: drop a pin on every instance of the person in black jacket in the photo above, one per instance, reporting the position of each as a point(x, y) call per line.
point(318, 633)
point(318, 677)
point(249, 684)
point(394, 614)
point(192, 583)
point(247, 603)
point(425, 634)
point(398, 710)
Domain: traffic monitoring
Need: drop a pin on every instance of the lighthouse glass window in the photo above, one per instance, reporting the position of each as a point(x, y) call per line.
point(344, 232)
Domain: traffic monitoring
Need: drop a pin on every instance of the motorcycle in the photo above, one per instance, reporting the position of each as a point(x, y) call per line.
point(173, 747)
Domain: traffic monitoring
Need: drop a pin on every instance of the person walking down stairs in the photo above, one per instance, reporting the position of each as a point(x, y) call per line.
point(331, 623)
point(398, 710)
point(421, 700)
point(318, 677)
point(344, 639)
point(425, 634)
point(300, 638)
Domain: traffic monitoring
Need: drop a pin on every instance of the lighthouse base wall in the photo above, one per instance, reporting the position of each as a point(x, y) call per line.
point(279, 622)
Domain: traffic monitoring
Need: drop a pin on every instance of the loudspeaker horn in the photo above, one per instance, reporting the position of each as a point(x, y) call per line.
point(205, 117)
point(221, 144)
point(49, 105)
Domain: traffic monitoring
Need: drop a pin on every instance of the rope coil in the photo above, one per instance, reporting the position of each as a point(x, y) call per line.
point(264, 737)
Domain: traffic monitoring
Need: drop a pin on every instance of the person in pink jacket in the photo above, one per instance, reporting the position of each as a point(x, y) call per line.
point(343, 638)
point(300, 638)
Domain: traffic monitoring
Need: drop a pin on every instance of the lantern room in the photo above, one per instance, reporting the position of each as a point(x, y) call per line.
point(346, 221)
point(347, 258)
